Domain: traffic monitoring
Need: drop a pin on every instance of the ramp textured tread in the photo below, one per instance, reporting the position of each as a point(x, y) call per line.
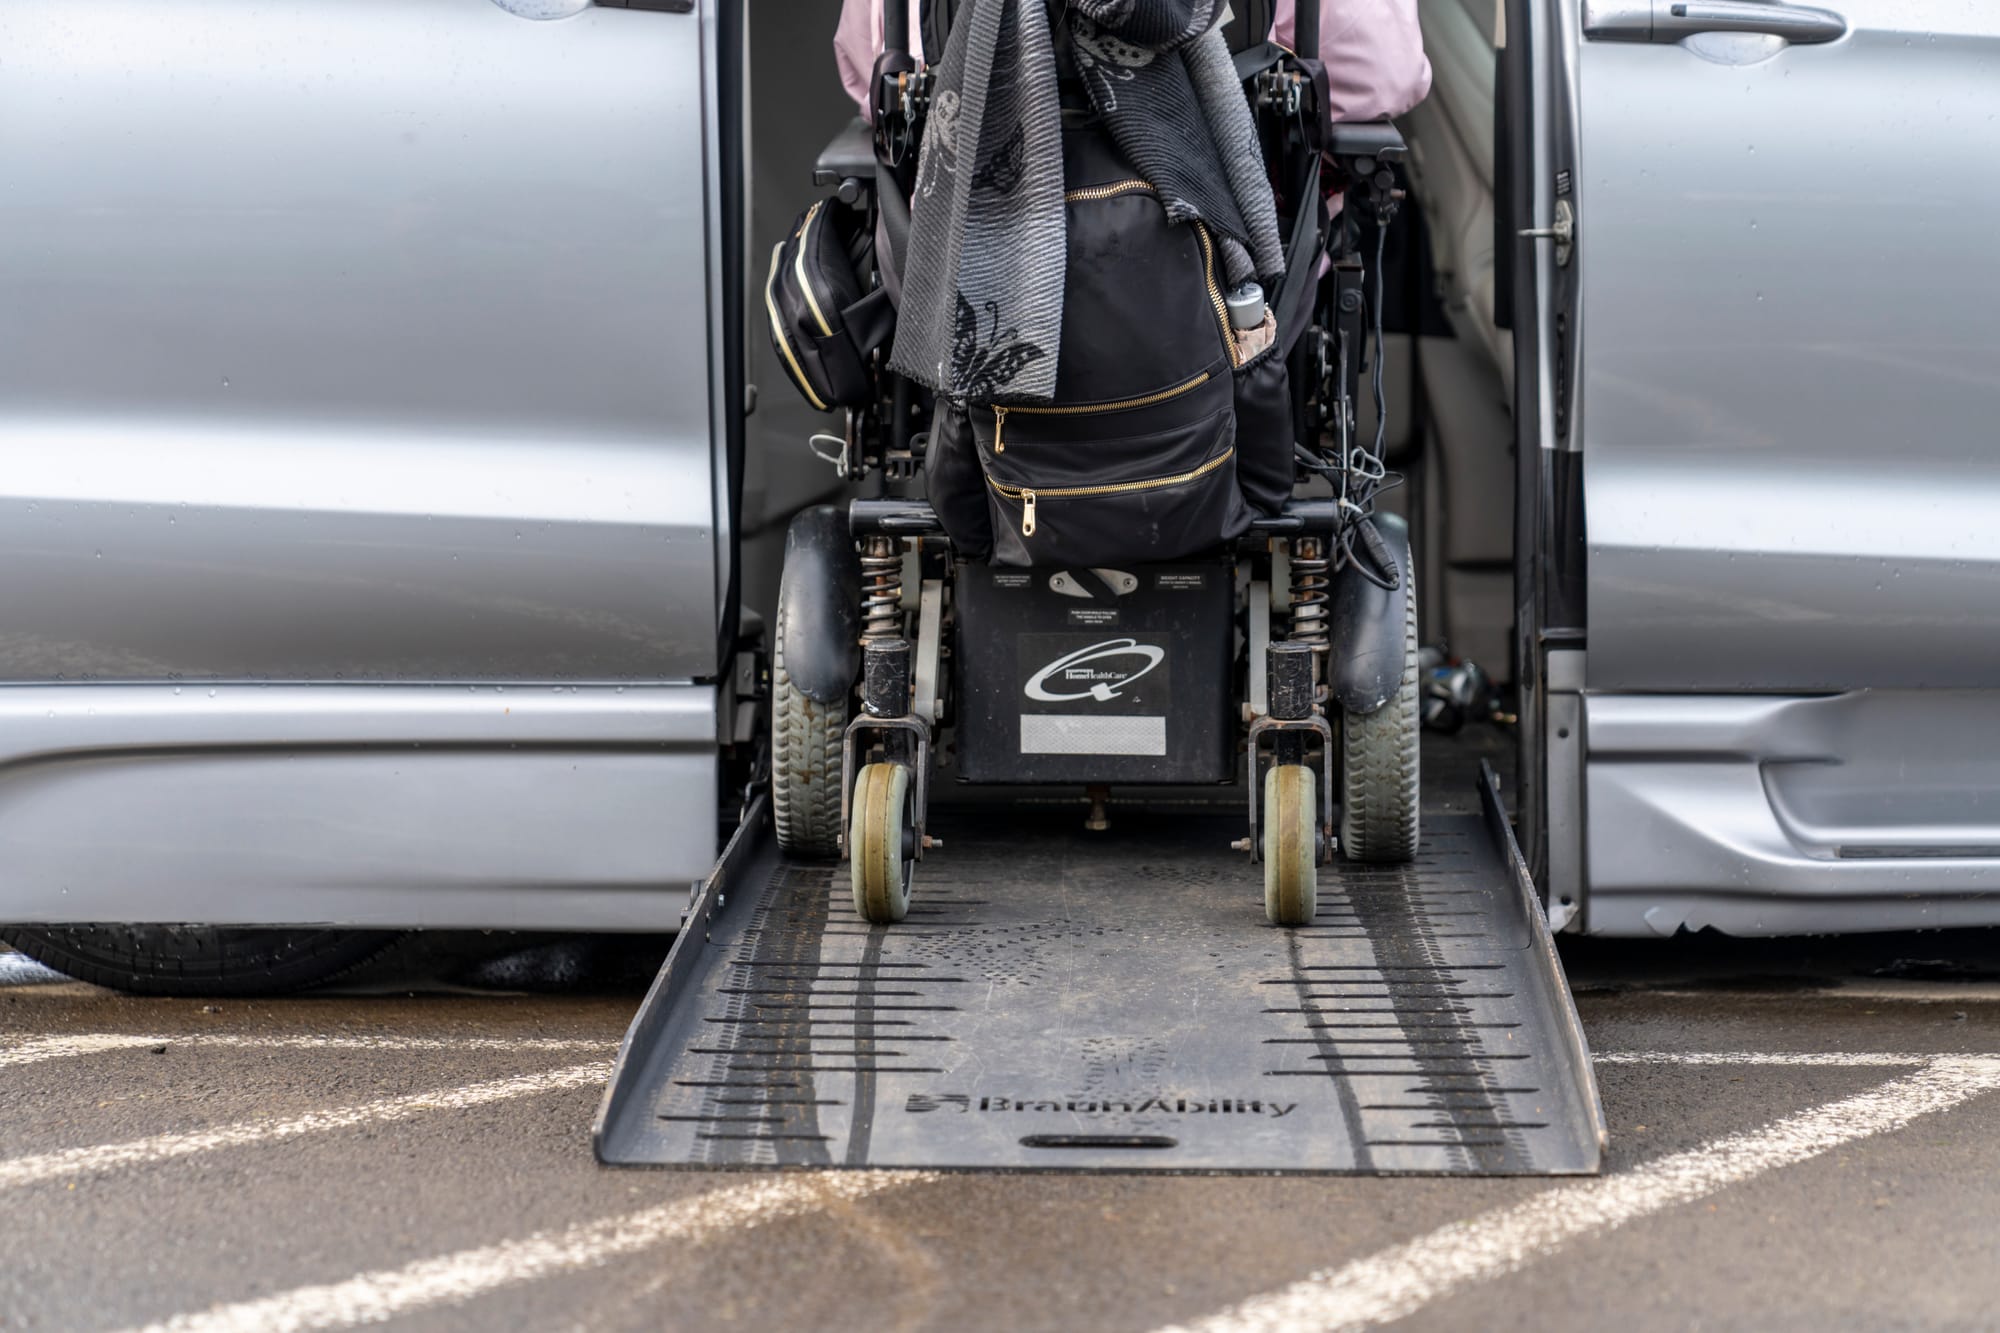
point(1115, 1001)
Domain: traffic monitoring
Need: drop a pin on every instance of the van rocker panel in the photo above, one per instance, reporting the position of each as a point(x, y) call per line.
point(447, 806)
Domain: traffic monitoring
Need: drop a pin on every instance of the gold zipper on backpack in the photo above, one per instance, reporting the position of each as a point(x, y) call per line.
point(1110, 190)
point(1027, 495)
point(1090, 409)
point(1215, 294)
point(784, 339)
point(799, 269)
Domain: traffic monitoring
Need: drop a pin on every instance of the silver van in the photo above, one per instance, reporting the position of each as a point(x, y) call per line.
point(385, 517)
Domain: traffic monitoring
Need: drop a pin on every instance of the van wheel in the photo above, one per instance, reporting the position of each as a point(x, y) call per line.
point(805, 764)
point(199, 960)
point(1291, 844)
point(1379, 795)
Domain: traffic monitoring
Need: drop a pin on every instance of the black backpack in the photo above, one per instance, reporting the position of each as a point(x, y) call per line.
point(1163, 437)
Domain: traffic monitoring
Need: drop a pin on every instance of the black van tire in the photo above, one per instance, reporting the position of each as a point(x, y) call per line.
point(805, 764)
point(199, 960)
point(1379, 792)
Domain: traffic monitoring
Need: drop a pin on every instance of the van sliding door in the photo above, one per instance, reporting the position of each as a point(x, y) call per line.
point(1791, 346)
point(362, 340)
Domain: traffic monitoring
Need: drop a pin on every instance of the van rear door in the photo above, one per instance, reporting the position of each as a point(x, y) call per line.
point(1790, 346)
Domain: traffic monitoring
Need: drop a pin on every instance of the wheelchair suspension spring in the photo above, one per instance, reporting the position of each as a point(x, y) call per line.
point(881, 589)
point(1309, 584)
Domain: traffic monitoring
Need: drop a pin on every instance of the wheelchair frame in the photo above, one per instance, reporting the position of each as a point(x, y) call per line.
point(1335, 568)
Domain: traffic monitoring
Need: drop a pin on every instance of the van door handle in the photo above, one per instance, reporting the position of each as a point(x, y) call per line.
point(1675, 20)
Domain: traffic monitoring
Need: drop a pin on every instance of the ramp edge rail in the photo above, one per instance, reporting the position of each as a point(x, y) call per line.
point(1575, 1048)
point(747, 846)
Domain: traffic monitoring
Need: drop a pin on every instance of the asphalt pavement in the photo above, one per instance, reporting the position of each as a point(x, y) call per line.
point(1803, 1135)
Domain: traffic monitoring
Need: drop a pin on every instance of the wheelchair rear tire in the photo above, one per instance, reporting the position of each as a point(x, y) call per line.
point(805, 764)
point(1380, 795)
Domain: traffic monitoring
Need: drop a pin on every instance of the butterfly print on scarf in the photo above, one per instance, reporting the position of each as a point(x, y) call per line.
point(1002, 171)
point(939, 157)
point(1105, 60)
point(980, 369)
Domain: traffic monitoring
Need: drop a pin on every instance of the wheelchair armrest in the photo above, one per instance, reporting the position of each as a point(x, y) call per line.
point(850, 155)
point(1379, 139)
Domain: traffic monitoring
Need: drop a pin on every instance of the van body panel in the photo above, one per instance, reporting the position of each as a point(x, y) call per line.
point(353, 340)
point(1766, 815)
point(358, 462)
point(524, 807)
point(1791, 355)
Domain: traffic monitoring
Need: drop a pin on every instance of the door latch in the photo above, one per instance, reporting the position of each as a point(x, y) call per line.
point(1563, 232)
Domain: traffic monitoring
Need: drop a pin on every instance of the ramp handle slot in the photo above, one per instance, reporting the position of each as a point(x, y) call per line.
point(1099, 1141)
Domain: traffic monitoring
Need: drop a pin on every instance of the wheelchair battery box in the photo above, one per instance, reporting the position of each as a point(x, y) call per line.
point(1096, 676)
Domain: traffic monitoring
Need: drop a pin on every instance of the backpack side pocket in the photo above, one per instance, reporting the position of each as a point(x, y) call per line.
point(956, 484)
point(1264, 435)
point(824, 321)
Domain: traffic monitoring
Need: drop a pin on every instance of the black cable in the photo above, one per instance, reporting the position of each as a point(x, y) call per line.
point(1381, 404)
point(1373, 561)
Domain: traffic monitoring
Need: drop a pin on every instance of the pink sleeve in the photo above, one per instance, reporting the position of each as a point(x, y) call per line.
point(857, 40)
point(1373, 52)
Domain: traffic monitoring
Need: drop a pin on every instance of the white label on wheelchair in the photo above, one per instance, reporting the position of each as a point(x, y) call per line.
point(1069, 733)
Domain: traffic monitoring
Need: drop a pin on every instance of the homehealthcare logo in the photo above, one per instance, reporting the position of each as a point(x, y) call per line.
point(1098, 672)
point(963, 1103)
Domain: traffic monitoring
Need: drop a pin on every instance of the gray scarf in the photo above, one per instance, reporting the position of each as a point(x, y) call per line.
point(981, 314)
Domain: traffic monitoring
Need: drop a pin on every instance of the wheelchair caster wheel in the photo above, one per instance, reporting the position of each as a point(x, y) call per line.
point(879, 857)
point(1291, 844)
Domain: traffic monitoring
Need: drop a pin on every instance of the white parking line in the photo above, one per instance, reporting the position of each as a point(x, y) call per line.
point(164, 1147)
point(1404, 1279)
point(57, 1048)
point(365, 1043)
point(451, 1278)
point(1889, 1059)
point(17, 969)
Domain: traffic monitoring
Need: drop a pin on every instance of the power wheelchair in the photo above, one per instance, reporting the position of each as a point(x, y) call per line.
point(1286, 660)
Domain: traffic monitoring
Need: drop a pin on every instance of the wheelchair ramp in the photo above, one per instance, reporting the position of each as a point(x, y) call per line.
point(1063, 1000)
